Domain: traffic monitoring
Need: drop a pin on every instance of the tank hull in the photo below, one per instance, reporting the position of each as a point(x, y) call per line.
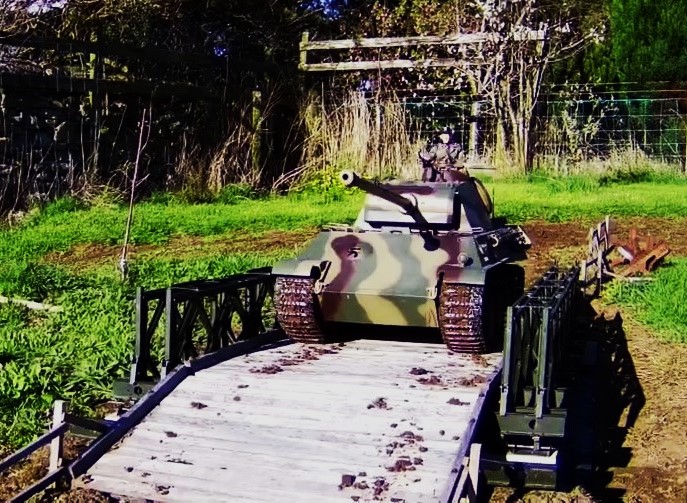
point(384, 278)
point(418, 255)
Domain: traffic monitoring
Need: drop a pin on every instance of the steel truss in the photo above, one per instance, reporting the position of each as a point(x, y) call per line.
point(535, 379)
point(195, 318)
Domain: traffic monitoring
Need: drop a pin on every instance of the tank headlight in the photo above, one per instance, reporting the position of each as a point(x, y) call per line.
point(463, 259)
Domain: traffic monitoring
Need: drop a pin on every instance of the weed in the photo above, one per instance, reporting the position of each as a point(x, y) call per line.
point(39, 281)
point(326, 184)
point(235, 193)
point(67, 204)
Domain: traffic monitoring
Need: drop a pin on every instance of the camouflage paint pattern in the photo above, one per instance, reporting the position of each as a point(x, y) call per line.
point(374, 277)
point(387, 268)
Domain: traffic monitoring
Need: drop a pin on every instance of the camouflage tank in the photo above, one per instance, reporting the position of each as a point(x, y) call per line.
point(419, 255)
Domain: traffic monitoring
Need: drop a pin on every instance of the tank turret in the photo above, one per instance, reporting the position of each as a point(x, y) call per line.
point(419, 255)
point(409, 206)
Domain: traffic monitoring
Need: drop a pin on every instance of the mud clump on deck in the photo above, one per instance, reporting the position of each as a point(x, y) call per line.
point(457, 401)
point(411, 437)
point(379, 403)
point(431, 380)
point(471, 381)
point(418, 371)
point(267, 369)
point(403, 464)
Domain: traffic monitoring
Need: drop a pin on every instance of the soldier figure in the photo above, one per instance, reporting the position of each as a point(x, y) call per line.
point(443, 160)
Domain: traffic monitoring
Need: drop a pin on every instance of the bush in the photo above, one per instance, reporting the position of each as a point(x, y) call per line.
point(326, 183)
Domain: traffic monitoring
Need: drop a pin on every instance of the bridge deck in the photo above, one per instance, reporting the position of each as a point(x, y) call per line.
point(290, 423)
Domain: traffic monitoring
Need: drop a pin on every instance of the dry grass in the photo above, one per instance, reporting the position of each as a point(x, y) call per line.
point(369, 136)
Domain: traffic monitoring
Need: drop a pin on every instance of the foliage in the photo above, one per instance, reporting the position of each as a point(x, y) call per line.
point(66, 204)
point(660, 303)
point(231, 121)
point(648, 40)
point(76, 354)
point(371, 137)
point(324, 182)
point(72, 355)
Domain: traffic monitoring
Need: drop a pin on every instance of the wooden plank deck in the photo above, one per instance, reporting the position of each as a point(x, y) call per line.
point(286, 424)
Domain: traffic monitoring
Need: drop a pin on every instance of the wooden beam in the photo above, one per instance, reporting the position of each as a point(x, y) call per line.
point(384, 42)
point(71, 85)
point(26, 451)
point(109, 48)
point(387, 42)
point(352, 66)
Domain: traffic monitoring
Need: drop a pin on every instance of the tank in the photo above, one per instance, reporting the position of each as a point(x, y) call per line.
point(420, 254)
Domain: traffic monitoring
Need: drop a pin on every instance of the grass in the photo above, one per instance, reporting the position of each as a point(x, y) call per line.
point(76, 354)
point(156, 224)
point(520, 200)
point(661, 303)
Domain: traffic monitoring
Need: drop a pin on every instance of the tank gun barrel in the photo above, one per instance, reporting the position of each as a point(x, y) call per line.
point(352, 179)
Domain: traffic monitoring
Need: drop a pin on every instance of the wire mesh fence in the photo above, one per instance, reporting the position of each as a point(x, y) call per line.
point(580, 125)
point(572, 124)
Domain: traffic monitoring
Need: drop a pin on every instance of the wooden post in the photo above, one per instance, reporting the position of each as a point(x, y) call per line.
point(303, 62)
point(474, 130)
point(378, 137)
point(57, 443)
point(171, 329)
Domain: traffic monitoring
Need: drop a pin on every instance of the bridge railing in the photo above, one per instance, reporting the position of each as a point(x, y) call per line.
point(62, 422)
point(532, 384)
point(196, 318)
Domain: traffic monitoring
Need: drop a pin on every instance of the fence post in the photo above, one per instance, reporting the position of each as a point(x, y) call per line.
point(57, 443)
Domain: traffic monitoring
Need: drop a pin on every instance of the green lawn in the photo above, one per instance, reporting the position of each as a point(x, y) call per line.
point(520, 201)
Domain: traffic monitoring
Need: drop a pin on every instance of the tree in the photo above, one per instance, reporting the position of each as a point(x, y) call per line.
point(529, 37)
point(516, 43)
point(649, 40)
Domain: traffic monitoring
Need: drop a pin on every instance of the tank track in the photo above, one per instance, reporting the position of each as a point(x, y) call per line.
point(297, 310)
point(461, 318)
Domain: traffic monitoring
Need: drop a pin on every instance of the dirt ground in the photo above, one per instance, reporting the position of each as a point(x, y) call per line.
point(91, 256)
point(645, 450)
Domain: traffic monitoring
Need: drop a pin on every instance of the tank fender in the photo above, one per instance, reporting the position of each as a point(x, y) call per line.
point(453, 273)
point(315, 269)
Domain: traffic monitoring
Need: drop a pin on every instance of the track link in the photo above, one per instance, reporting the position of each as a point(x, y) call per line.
point(297, 309)
point(461, 318)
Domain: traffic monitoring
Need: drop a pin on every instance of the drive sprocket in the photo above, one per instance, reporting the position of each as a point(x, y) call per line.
point(297, 309)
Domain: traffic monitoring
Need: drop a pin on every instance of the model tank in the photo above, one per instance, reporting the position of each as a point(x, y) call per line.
point(422, 254)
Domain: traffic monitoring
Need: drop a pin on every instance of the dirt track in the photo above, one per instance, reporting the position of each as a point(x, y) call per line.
point(647, 457)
